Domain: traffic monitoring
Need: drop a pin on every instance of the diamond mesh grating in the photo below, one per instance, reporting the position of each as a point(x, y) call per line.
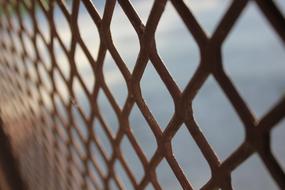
point(54, 134)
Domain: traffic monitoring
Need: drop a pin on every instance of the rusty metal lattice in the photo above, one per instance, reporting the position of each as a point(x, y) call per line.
point(49, 143)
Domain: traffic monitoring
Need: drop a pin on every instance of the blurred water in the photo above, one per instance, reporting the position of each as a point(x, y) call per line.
point(253, 57)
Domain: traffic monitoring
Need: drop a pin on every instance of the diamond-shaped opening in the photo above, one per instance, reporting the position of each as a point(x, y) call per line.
point(77, 178)
point(101, 135)
point(254, 58)
point(217, 119)
point(34, 102)
point(29, 47)
point(15, 23)
point(17, 44)
point(176, 46)
point(62, 131)
point(94, 175)
point(107, 112)
point(156, 96)
point(122, 175)
point(77, 160)
point(47, 103)
point(252, 174)
point(3, 60)
point(112, 184)
point(63, 151)
point(208, 13)
point(79, 145)
point(88, 30)
point(49, 124)
point(42, 23)
point(28, 23)
point(98, 158)
point(34, 93)
point(90, 185)
point(81, 99)
point(62, 27)
point(60, 108)
point(149, 187)
point(115, 80)
point(61, 59)
point(9, 58)
point(31, 70)
point(143, 9)
point(190, 158)
point(62, 166)
point(124, 37)
point(99, 5)
point(132, 158)
point(277, 143)
point(43, 52)
point(19, 64)
point(166, 177)
point(61, 87)
point(46, 98)
point(5, 38)
point(142, 132)
point(80, 124)
point(34, 107)
point(45, 78)
point(84, 68)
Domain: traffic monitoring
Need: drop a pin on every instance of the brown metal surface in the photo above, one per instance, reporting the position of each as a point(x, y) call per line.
point(10, 177)
point(42, 136)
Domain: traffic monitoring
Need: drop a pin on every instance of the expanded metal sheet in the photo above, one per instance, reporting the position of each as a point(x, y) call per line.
point(44, 118)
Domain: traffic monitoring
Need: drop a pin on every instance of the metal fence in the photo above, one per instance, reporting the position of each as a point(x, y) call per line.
point(53, 151)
